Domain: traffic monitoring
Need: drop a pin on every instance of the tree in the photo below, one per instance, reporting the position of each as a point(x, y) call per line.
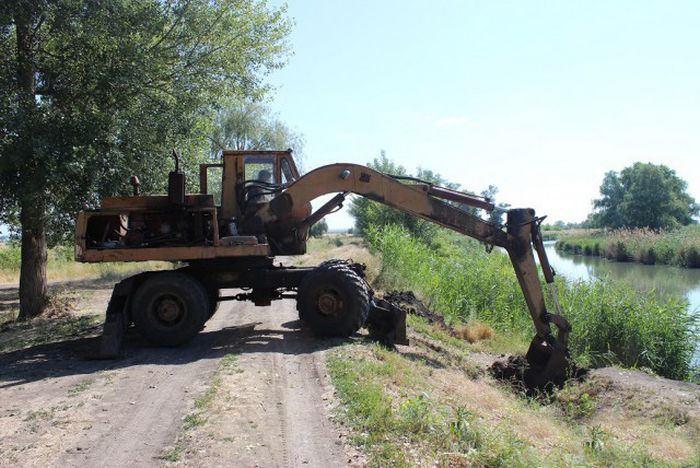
point(643, 195)
point(496, 215)
point(245, 124)
point(368, 213)
point(319, 229)
point(91, 92)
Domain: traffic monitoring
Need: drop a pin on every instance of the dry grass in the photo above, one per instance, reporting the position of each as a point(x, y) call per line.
point(475, 331)
point(340, 246)
point(66, 271)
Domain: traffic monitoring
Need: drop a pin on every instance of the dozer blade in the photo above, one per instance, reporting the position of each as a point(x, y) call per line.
point(386, 322)
point(548, 363)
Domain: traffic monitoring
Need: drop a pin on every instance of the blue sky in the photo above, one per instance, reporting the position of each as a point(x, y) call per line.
point(538, 98)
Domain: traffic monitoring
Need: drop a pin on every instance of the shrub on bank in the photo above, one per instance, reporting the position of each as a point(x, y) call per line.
point(679, 247)
point(612, 323)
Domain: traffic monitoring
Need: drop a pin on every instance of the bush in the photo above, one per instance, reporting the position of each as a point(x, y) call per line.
point(10, 257)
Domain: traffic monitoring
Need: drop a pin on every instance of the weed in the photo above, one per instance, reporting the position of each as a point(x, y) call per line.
point(80, 387)
point(596, 439)
point(580, 407)
point(415, 414)
point(193, 420)
point(174, 454)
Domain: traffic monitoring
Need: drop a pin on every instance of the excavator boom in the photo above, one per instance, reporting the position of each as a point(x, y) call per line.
point(547, 355)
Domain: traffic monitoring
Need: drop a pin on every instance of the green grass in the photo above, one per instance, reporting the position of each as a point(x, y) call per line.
point(611, 323)
point(678, 247)
point(399, 415)
point(384, 422)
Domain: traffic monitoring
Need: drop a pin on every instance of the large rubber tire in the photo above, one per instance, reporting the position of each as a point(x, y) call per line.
point(333, 300)
point(170, 308)
point(213, 294)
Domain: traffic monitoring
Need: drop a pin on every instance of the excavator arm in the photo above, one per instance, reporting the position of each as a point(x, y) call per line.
point(286, 219)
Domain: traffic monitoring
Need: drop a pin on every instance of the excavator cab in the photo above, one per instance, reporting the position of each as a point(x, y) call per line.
point(248, 178)
point(249, 181)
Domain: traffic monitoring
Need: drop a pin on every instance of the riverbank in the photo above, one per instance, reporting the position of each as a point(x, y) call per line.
point(614, 323)
point(434, 404)
point(679, 247)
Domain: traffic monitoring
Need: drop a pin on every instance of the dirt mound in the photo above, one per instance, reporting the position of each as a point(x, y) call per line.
point(518, 372)
point(412, 305)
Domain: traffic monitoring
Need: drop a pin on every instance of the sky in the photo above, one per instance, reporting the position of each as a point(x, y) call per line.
point(539, 98)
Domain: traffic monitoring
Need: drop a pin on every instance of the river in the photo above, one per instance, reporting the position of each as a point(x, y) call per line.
point(661, 278)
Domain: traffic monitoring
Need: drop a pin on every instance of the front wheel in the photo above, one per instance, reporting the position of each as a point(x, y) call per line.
point(333, 300)
point(170, 308)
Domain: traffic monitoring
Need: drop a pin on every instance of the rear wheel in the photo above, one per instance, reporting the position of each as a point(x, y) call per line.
point(213, 294)
point(333, 300)
point(170, 308)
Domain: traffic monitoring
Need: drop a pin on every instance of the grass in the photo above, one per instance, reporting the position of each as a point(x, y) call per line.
point(679, 247)
point(59, 323)
point(61, 265)
point(80, 387)
point(405, 412)
point(202, 407)
point(385, 406)
point(612, 323)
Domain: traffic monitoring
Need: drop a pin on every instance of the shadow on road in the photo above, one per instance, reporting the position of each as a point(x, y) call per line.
point(77, 356)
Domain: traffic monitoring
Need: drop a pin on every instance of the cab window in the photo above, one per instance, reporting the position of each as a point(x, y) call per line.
point(287, 173)
point(260, 168)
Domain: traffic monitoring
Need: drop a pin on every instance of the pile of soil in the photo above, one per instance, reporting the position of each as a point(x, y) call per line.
point(407, 301)
point(518, 372)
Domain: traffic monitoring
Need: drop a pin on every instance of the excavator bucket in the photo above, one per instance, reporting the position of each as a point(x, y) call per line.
point(548, 364)
point(386, 322)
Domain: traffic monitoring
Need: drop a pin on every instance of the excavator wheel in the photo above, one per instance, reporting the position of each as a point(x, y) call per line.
point(333, 300)
point(170, 308)
point(213, 294)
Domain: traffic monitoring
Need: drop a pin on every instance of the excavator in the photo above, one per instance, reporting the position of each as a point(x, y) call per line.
point(265, 210)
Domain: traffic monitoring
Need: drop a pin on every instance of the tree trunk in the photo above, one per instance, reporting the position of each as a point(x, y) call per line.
point(33, 287)
point(32, 278)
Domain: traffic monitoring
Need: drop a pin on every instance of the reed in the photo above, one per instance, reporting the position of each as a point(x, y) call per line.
point(678, 247)
point(612, 323)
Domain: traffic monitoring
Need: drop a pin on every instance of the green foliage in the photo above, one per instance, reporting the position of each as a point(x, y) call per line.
point(576, 405)
point(678, 247)
point(10, 256)
point(319, 229)
point(111, 86)
point(369, 214)
point(244, 124)
point(611, 322)
point(643, 195)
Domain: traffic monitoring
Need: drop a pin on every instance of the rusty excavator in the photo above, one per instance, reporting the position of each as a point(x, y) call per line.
point(265, 211)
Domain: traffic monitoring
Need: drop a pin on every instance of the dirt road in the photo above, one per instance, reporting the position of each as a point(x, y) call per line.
point(60, 408)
